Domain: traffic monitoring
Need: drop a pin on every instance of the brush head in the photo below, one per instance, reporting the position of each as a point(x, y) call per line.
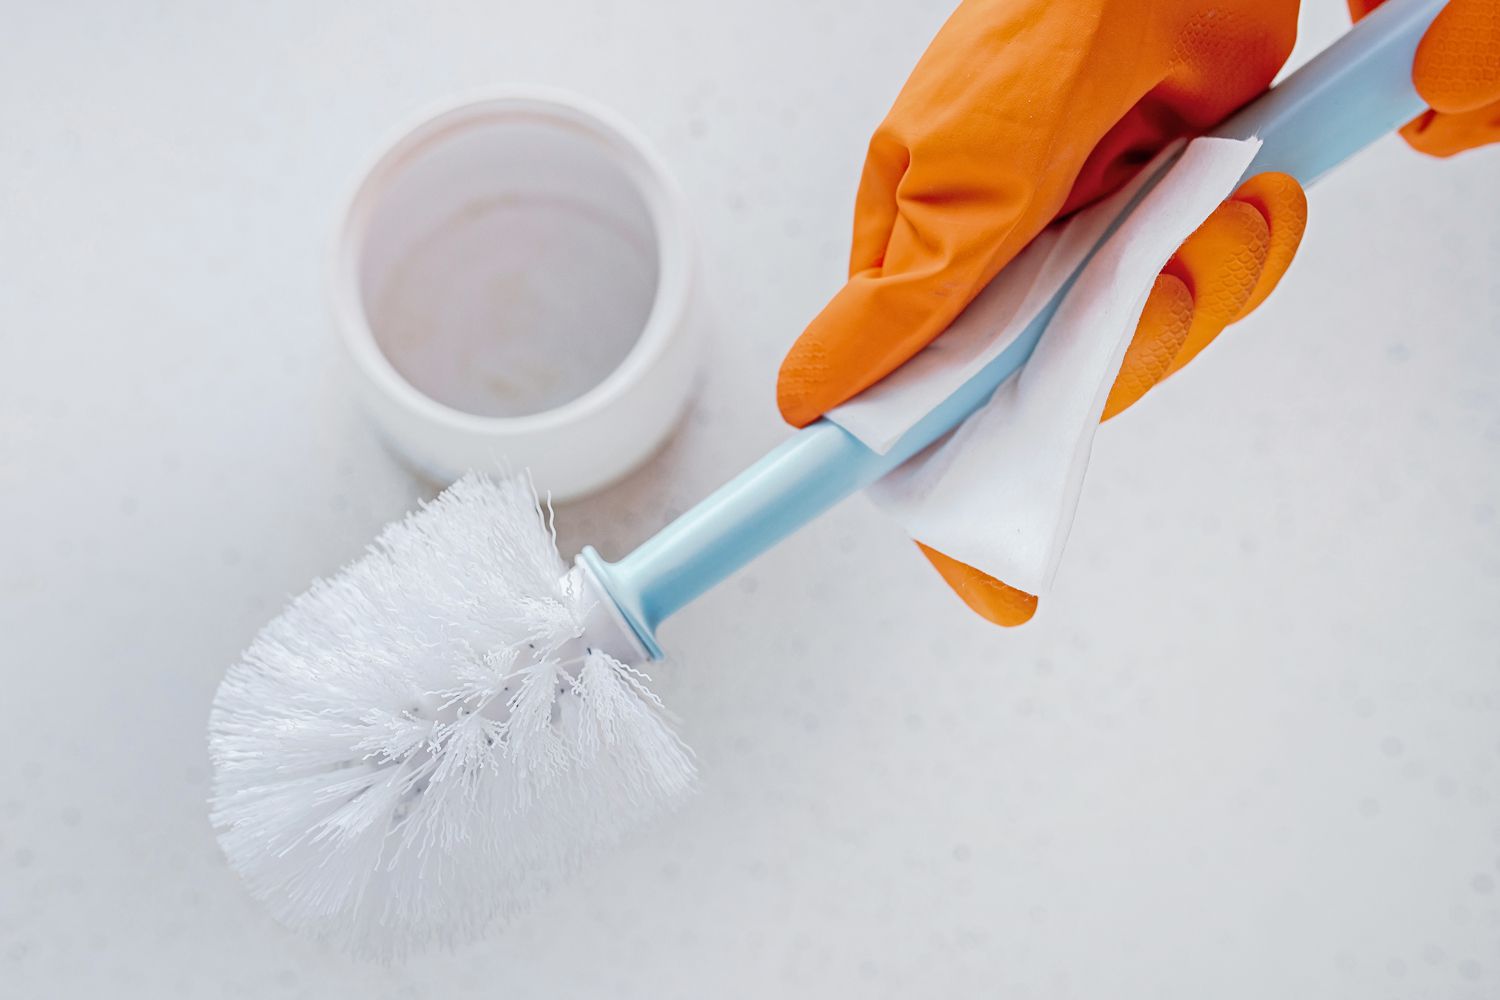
point(429, 739)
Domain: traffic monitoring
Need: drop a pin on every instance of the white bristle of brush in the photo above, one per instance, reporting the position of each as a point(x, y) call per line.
point(426, 741)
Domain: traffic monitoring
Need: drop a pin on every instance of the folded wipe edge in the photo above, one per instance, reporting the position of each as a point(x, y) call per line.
point(999, 492)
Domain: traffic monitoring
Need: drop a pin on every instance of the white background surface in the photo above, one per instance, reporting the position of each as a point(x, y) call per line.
point(1249, 748)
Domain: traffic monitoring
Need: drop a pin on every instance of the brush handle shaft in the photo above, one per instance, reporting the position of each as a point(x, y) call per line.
point(1351, 94)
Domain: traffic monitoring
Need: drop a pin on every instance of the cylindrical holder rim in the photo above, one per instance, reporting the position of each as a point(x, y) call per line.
point(640, 398)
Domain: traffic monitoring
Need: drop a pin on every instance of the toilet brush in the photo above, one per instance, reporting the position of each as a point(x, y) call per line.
point(442, 730)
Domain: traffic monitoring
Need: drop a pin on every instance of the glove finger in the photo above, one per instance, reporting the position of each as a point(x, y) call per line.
point(1445, 135)
point(988, 597)
point(1283, 204)
point(1159, 335)
point(1457, 67)
point(1220, 263)
point(937, 256)
point(865, 332)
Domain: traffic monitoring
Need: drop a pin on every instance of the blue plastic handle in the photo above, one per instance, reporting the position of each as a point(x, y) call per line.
point(1351, 94)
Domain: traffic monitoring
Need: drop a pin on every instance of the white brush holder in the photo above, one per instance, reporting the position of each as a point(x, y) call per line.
point(513, 280)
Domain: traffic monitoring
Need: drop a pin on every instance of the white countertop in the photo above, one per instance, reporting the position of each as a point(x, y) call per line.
point(1250, 747)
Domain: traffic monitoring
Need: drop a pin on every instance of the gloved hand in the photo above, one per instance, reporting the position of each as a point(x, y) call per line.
point(1021, 111)
point(1457, 72)
point(1024, 110)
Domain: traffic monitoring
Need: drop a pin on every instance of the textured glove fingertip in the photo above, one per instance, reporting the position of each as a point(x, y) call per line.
point(802, 383)
point(1159, 335)
point(989, 598)
point(1457, 66)
point(1220, 263)
point(1280, 200)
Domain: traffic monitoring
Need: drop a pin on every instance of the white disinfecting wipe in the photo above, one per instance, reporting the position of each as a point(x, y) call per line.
point(999, 492)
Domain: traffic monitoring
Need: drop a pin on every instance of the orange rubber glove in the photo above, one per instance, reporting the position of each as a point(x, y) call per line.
point(1457, 72)
point(1021, 111)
